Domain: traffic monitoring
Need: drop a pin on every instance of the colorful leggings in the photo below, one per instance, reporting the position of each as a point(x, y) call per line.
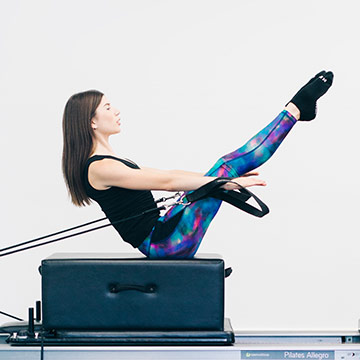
point(185, 239)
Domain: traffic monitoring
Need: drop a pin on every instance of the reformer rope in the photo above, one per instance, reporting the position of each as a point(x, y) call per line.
point(53, 234)
point(77, 233)
point(163, 199)
point(5, 252)
point(10, 316)
point(211, 189)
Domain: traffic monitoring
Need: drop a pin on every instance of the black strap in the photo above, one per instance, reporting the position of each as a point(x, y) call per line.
point(207, 189)
point(211, 189)
point(237, 198)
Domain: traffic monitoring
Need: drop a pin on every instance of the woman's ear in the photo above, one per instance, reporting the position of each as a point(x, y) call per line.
point(93, 125)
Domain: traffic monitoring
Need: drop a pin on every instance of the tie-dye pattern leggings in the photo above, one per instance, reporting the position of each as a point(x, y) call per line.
point(186, 237)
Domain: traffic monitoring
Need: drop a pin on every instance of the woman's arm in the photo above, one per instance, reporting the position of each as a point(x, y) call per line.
point(179, 172)
point(107, 172)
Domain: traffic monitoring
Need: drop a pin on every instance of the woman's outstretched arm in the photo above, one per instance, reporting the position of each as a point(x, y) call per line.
point(108, 172)
point(179, 172)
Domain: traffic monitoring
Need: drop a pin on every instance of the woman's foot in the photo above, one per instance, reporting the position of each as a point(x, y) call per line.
point(305, 99)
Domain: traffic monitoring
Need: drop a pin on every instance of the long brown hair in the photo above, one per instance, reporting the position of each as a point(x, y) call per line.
point(78, 141)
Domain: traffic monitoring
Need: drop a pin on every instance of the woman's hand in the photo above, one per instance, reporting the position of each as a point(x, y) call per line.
point(246, 180)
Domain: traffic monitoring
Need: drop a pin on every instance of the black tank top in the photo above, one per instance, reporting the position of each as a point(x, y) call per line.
point(119, 203)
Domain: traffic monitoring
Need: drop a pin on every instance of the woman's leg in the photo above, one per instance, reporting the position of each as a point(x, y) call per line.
point(185, 239)
point(257, 150)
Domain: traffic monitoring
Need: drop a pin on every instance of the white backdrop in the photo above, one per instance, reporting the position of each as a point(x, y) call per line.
point(193, 80)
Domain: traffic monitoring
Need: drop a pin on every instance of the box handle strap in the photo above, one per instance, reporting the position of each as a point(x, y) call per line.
point(116, 288)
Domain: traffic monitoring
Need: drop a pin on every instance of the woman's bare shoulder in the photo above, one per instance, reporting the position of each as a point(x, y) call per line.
point(106, 164)
point(102, 171)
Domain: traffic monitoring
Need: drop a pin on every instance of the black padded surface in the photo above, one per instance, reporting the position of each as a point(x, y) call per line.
point(114, 293)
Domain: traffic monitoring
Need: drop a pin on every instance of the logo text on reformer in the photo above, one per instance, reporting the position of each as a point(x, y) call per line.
point(305, 355)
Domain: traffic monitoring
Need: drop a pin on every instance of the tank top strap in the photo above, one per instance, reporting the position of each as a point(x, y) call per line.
point(126, 162)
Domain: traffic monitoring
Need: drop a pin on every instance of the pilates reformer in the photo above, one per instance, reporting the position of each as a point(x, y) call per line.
point(70, 314)
point(133, 287)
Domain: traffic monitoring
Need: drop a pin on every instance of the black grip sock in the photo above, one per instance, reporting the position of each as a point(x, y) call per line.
point(305, 99)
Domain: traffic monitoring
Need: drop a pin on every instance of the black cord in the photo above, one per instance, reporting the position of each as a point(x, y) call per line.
point(11, 316)
point(163, 199)
point(236, 198)
point(50, 235)
point(80, 232)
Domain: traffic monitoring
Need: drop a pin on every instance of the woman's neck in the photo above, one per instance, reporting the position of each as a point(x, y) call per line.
point(101, 148)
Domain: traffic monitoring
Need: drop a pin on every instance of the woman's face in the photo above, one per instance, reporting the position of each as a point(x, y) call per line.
point(106, 120)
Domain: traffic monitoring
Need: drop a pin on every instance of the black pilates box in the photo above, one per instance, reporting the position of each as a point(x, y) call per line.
point(116, 292)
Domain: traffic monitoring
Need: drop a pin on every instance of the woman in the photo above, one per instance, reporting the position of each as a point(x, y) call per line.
point(93, 171)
